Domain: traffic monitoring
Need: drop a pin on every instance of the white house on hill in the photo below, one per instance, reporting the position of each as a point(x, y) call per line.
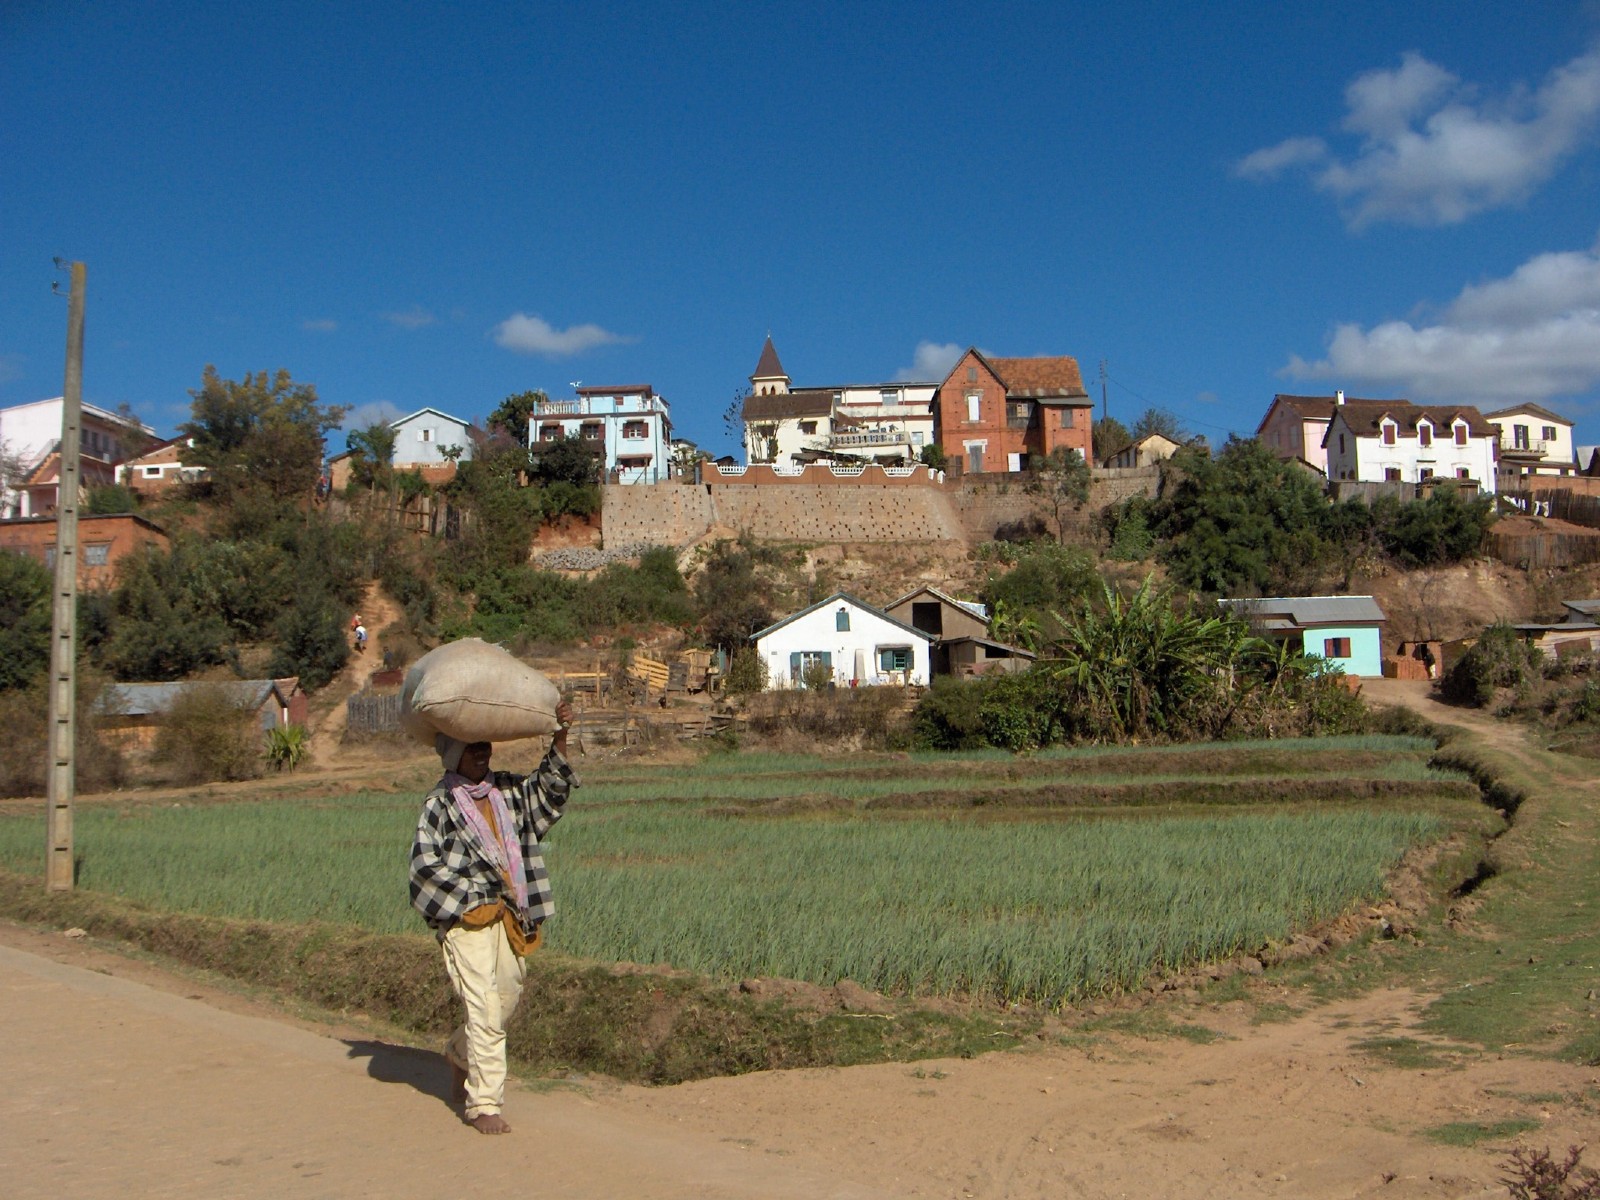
point(860, 645)
point(1399, 442)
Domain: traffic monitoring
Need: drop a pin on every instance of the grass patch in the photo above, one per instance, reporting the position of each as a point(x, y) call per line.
point(1155, 1024)
point(1471, 1133)
point(1409, 1054)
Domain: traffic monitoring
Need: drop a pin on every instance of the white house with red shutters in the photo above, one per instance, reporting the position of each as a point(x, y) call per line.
point(1395, 441)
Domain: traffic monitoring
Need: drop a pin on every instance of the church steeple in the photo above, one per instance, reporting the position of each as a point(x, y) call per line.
point(769, 378)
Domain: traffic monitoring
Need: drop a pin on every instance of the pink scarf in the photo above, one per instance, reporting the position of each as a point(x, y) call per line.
point(504, 853)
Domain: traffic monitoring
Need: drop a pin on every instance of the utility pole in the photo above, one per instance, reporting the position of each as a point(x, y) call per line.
point(63, 630)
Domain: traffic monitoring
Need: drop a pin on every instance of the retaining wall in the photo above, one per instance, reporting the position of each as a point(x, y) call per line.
point(828, 506)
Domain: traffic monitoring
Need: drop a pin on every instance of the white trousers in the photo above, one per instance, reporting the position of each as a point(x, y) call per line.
point(487, 975)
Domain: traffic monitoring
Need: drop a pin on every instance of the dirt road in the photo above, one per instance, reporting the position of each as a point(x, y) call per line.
point(123, 1080)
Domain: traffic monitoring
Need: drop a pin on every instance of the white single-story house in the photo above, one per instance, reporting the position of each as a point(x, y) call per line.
point(863, 646)
point(1345, 630)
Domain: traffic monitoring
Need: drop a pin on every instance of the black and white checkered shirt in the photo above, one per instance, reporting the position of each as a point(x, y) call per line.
point(450, 878)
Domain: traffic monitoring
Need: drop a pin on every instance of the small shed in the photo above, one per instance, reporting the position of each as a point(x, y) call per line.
point(960, 630)
point(1345, 630)
point(861, 646)
point(130, 713)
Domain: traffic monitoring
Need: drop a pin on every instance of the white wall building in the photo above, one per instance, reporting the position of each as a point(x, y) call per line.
point(32, 431)
point(1534, 441)
point(629, 426)
point(1374, 442)
point(868, 422)
point(861, 645)
point(421, 438)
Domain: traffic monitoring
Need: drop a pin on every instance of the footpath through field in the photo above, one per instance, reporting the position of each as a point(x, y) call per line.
point(117, 1089)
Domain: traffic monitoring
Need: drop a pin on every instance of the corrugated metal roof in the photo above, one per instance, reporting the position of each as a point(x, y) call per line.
point(151, 699)
point(1305, 611)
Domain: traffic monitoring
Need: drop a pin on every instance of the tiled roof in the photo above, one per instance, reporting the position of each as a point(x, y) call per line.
point(786, 406)
point(1365, 417)
point(1533, 409)
point(1038, 378)
point(769, 367)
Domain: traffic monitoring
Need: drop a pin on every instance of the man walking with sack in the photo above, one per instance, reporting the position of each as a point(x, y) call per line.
point(479, 881)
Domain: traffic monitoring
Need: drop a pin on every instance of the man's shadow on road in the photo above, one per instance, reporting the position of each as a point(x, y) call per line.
point(424, 1070)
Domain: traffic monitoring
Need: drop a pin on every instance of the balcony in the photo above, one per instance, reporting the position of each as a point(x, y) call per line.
point(875, 437)
point(1531, 449)
point(556, 408)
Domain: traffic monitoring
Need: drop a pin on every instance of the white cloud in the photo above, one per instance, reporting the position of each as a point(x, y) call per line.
point(319, 326)
point(1274, 160)
point(1529, 336)
point(363, 415)
point(931, 362)
point(1432, 153)
point(415, 317)
point(526, 334)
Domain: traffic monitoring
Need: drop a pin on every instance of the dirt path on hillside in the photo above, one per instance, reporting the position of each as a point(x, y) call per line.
point(329, 714)
point(127, 1079)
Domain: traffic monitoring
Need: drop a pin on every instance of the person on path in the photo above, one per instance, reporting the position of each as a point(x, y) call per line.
point(478, 879)
point(361, 638)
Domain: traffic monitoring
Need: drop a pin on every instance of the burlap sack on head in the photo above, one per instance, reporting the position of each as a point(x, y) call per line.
point(476, 692)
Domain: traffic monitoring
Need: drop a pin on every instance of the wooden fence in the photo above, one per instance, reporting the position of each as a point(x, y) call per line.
point(369, 714)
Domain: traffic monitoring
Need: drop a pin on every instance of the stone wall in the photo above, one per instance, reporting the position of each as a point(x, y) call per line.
point(822, 506)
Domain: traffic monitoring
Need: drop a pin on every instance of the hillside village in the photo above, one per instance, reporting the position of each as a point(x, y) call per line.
point(871, 535)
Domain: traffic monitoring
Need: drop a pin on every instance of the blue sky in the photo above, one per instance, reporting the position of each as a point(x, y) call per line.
point(409, 204)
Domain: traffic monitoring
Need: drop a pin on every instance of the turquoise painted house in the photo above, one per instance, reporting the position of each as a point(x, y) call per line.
point(1345, 630)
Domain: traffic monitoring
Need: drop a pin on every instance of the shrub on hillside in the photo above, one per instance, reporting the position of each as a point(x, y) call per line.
point(747, 673)
point(311, 643)
point(1499, 659)
point(803, 719)
point(99, 763)
point(25, 619)
point(207, 735)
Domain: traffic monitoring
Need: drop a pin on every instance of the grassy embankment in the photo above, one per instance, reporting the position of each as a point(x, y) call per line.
point(1043, 880)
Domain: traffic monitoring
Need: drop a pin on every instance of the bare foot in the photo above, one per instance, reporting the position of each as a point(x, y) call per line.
point(490, 1123)
point(458, 1084)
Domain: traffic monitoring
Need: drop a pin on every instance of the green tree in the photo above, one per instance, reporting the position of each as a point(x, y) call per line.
point(25, 620)
point(111, 498)
point(262, 433)
point(734, 597)
point(1159, 421)
point(311, 642)
point(1110, 436)
point(504, 515)
point(568, 460)
point(1060, 482)
point(1444, 528)
point(512, 416)
point(1045, 583)
point(1246, 521)
point(159, 631)
point(933, 457)
point(371, 456)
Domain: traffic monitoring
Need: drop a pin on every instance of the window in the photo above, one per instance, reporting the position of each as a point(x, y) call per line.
point(1388, 433)
point(808, 427)
point(972, 374)
point(550, 432)
point(424, 435)
point(1068, 417)
point(50, 557)
point(974, 401)
point(1341, 443)
point(593, 432)
point(97, 554)
point(1336, 647)
point(1519, 437)
point(635, 429)
point(1548, 433)
point(841, 621)
point(152, 472)
point(1424, 434)
point(894, 658)
point(1463, 473)
point(801, 660)
point(1391, 474)
point(1461, 434)
point(916, 437)
point(1424, 473)
point(888, 396)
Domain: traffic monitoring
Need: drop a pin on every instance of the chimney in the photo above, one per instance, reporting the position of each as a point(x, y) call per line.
point(1338, 397)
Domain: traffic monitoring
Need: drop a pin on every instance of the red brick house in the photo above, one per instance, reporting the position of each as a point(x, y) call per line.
point(103, 541)
point(993, 414)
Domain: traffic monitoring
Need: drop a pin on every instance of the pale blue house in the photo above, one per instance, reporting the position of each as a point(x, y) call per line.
point(421, 439)
point(629, 427)
point(1345, 630)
